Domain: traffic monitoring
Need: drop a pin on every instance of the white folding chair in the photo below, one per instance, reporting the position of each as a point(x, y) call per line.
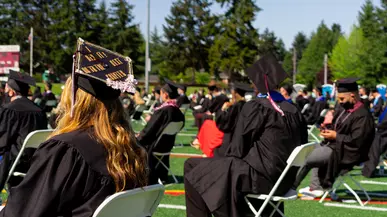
point(173, 128)
point(151, 108)
point(140, 109)
point(33, 140)
point(37, 101)
point(297, 159)
point(340, 181)
point(311, 128)
point(306, 106)
point(139, 202)
point(51, 103)
point(184, 108)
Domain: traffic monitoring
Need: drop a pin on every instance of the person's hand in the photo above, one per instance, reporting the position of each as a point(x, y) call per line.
point(328, 134)
point(147, 118)
point(137, 134)
point(225, 106)
point(208, 113)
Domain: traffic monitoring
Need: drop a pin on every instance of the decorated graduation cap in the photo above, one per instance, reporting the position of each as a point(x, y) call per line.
point(171, 88)
point(20, 82)
point(242, 88)
point(267, 74)
point(101, 72)
point(347, 85)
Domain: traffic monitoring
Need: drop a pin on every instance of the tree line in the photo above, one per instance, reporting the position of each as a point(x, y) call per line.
point(195, 42)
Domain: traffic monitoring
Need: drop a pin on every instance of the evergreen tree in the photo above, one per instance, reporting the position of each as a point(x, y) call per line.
point(269, 43)
point(300, 43)
point(157, 51)
point(235, 48)
point(189, 32)
point(313, 57)
point(125, 36)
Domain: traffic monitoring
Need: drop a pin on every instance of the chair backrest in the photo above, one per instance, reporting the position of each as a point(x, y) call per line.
point(172, 128)
point(140, 108)
point(296, 158)
point(38, 101)
point(306, 106)
point(300, 153)
point(323, 113)
point(139, 202)
point(33, 140)
point(51, 103)
point(184, 106)
point(149, 102)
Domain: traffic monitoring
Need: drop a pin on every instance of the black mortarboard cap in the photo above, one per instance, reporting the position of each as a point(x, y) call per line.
point(101, 72)
point(171, 88)
point(182, 87)
point(20, 82)
point(347, 85)
point(269, 66)
point(157, 90)
point(319, 88)
point(242, 88)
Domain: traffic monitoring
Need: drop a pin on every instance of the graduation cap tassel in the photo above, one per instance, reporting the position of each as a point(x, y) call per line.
point(73, 88)
point(276, 107)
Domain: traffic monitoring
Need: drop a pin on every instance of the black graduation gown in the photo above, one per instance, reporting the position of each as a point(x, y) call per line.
point(17, 119)
point(217, 103)
point(149, 135)
point(226, 122)
point(182, 99)
point(314, 114)
point(378, 108)
point(378, 147)
point(47, 97)
point(366, 102)
point(68, 178)
point(301, 102)
point(355, 133)
point(261, 144)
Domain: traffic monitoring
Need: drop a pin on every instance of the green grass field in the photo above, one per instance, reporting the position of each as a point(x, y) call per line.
point(298, 208)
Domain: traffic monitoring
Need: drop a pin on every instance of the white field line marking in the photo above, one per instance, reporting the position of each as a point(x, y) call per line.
point(169, 206)
point(373, 182)
point(356, 207)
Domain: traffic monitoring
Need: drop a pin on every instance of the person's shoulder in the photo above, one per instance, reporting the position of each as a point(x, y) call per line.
point(84, 142)
point(23, 105)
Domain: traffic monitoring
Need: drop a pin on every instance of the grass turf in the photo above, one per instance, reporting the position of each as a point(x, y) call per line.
point(298, 208)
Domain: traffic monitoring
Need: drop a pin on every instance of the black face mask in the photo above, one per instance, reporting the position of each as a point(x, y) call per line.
point(347, 105)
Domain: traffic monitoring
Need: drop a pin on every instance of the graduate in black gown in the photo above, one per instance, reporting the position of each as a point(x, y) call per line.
point(163, 115)
point(92, 153)
point(364, 94)
point(17, 119)
point(227, 119)
point(302, 100)
point(378, 147)
point(268, 130)
point(48, 95)
point(377, 103)
point(286, 91)
point(346, 141)
point(313, 116)
point(182, 99)
point(217, 101)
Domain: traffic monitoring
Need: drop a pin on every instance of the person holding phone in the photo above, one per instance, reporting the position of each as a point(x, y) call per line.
point(346, 141)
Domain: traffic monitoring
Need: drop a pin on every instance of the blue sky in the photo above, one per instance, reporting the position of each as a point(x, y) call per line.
point(284, 17)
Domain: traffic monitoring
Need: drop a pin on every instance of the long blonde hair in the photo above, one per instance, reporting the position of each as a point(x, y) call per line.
point(126, 161)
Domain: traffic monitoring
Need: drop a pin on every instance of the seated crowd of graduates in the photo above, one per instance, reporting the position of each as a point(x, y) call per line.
point(93, 151)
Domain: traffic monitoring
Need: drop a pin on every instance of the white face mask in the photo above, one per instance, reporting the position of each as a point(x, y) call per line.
point(313, 95)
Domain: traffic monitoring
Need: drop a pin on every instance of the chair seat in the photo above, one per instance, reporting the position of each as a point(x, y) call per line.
point(161, 154)
point(274, 198)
